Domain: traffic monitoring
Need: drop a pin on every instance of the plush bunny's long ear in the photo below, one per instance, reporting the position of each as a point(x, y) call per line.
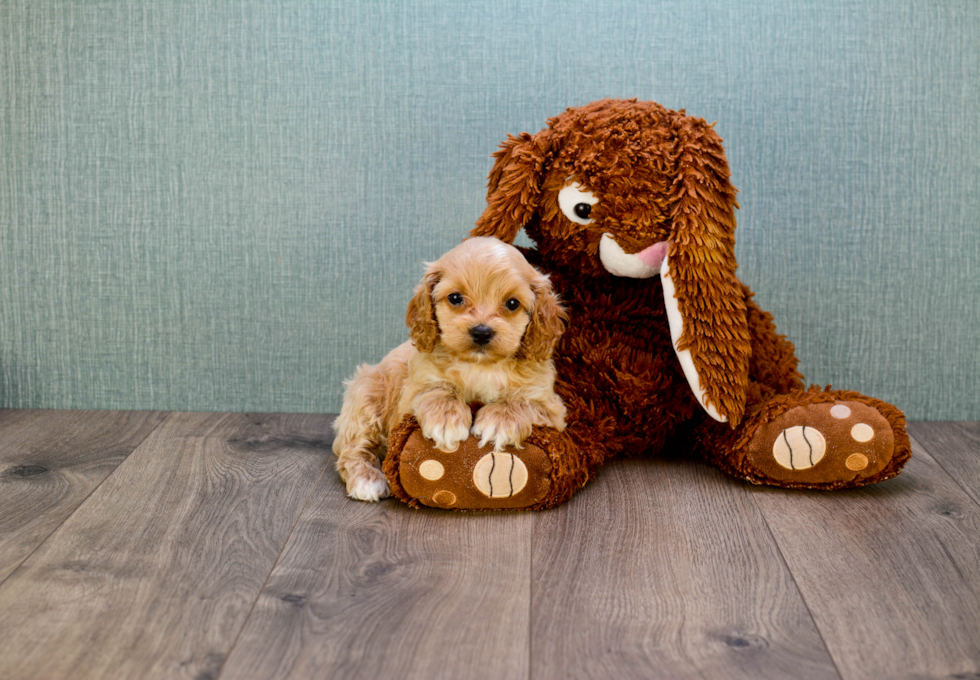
point(514, 186)
point(423, 329)
point(705, 304)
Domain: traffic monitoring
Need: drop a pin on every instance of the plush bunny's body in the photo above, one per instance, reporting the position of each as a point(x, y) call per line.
point(632, 213)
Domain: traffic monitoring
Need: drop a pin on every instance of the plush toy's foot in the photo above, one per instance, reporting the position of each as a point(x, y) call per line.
point(474, 478)
point(830, 441)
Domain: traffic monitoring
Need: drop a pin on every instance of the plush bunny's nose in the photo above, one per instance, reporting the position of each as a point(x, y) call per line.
point(481, 334)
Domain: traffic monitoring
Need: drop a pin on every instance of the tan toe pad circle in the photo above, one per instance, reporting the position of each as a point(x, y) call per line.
point(431, 470)
point(445, 498)
point(862, 433)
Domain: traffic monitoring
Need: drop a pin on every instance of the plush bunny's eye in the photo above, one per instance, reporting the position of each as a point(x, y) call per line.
point(576, 203)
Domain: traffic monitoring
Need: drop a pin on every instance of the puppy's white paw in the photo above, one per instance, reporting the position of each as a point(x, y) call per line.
point(447, 427)
point(367, 484)
point(448, 437)
point(502, 426)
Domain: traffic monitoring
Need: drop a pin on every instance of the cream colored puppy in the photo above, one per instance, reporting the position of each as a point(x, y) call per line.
point(483, 324)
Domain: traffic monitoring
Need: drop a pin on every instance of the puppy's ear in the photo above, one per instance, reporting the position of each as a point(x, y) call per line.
point(514, 186)
point(423, 329)
point(548, 321)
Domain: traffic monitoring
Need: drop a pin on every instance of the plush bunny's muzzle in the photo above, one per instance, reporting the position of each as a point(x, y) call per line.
point(641, 265)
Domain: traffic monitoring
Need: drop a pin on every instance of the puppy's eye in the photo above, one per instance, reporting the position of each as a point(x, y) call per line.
point(513, 304)
point(576, 203)
point(455, 299)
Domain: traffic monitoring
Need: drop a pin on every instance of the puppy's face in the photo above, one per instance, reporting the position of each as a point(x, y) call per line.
point(482, 301)
point(482, 306)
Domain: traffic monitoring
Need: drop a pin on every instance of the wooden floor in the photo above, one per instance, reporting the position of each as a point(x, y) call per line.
point(188, 545)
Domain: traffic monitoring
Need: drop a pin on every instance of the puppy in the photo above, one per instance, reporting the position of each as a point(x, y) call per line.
point(483, 325)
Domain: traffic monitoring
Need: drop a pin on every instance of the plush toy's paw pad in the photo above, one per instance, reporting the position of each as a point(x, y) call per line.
point(367, 484)
point(831, 444)
point(473, 478)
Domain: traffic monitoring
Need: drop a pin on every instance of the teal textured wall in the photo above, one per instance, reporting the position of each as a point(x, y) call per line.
point(224, 206)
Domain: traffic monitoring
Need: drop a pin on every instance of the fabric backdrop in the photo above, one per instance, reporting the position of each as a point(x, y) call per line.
point(225, 206)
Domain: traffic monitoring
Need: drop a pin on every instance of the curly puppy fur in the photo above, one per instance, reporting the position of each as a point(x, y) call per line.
point(483, 325)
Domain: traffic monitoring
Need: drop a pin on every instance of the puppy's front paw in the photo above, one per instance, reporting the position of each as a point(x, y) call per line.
point(445, 422)
point(367, 484)
point(502, 425)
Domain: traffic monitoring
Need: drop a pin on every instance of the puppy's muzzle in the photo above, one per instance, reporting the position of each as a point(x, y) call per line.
point(481, 334)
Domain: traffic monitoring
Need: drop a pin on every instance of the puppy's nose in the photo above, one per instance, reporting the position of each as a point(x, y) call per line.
point(481, 334)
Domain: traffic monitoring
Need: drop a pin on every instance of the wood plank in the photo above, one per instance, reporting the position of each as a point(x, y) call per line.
point(154, 575)
point(50, 461)
point(956, 447)
point(665, 568)
point(890, 572)
point(384, 591)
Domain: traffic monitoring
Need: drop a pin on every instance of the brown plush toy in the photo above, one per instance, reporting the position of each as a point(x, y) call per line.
point(633, 215)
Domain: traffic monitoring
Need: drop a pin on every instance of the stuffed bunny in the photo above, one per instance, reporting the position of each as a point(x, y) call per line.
point(633, 215)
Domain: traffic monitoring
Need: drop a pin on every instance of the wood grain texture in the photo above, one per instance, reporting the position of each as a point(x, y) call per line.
point(154, 575)
point(383, 591)
point(891, 572)
point(223, 547)
point(666, 569)
point(956, 447)
point(50, 461)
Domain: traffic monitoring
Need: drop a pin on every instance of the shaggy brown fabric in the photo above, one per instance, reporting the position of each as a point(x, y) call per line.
point(392, 461)
point(661, 176)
